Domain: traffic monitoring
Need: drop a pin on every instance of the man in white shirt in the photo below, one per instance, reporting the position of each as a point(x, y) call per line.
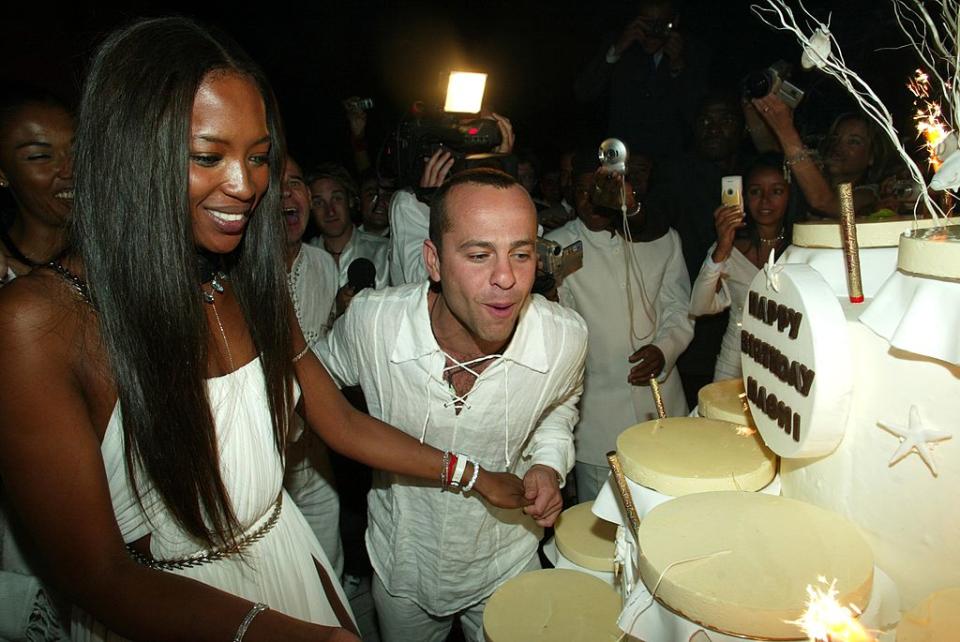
point(634, 297)
point(470, 362)
point(334, 196)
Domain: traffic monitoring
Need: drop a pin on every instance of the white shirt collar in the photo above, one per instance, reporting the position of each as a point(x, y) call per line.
point(415, 336)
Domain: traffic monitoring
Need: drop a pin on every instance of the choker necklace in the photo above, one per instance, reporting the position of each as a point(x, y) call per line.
point(209, 271)
point(775, 239)
point(15, 252)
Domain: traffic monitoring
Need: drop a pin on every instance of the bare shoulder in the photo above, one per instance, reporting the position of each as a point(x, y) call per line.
point(39, 317)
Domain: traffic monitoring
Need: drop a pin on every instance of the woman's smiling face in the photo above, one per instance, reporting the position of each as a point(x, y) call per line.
point(36, 161)
point(229, 150)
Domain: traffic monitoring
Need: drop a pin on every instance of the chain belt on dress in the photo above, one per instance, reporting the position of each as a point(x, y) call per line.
point(222, 552)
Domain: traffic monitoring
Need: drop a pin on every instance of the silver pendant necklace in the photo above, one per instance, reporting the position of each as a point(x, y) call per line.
point(216, 287)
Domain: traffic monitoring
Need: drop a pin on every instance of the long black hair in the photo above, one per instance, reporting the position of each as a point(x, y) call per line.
point(132, 228)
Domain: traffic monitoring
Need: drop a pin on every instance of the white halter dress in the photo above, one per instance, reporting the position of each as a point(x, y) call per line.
point(278, 569)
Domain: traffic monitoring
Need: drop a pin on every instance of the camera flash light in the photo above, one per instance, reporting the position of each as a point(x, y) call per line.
point(465, 92)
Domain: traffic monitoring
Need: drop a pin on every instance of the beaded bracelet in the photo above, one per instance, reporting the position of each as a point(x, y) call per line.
point(302, 353)
point(473, 478)
point(443, 470)
point(803, 155)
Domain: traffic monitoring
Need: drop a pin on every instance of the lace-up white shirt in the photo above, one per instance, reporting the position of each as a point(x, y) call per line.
point(446, 550)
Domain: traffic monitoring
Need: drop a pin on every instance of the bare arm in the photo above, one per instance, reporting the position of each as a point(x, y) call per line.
point(816, 189)
point(709, 294)
point(67, 512)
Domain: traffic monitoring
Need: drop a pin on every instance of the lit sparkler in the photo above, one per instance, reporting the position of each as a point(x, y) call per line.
point(825, 620)
point(929, 117)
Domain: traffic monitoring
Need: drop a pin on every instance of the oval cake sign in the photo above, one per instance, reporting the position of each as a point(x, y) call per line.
point(795, 352)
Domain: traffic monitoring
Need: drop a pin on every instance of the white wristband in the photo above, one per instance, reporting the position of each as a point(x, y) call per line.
point(457, 479)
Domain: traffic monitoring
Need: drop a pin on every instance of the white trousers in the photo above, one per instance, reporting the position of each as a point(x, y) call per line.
point(403, 620)
point(590, 479)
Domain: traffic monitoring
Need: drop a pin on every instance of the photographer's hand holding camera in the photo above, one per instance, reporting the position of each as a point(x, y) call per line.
point(848, 155)
point(438, 166)
point(727, 219)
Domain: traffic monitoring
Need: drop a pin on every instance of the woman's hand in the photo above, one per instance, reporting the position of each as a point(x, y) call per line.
point(727, 219)
point(503, 490)
point(778, 116)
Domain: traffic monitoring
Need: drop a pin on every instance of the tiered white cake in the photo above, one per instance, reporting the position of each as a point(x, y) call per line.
point(864, 428)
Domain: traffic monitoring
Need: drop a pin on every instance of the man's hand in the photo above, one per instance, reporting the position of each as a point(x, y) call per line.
point(356, 117)
point(673, 50)
point(507, 137)
point(650, 362)
point(344, 297)
point(436, 169)
point(542, 488)
point(632, 33)
point(503, 490)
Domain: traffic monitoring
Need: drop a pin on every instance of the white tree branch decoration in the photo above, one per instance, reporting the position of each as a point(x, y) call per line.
point(935, 45)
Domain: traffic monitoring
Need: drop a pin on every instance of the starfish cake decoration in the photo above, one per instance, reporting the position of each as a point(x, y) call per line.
point(915, 436)
point(772, 270)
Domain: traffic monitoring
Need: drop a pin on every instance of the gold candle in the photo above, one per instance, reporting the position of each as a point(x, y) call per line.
point(851, 251)
point(658, 397)
point(624, 490)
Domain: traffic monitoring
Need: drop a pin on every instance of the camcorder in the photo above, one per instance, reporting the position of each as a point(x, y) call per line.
point(555, 263)
point(471, 141)
point(773, 80)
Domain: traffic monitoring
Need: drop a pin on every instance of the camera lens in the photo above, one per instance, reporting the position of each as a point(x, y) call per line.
point(757, 84)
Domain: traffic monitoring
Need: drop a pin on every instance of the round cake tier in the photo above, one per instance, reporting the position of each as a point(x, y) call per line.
point(740, 562)
point(883, 233)
point(555, 605)
point(931, 252)
point(724, 400)
point(935, 619)
point(585, 539)
point(682, 455)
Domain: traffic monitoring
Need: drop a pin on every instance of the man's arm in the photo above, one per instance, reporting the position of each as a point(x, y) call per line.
point(551, 448)
point(338, 351)
point(675, 329)
point(409, 226)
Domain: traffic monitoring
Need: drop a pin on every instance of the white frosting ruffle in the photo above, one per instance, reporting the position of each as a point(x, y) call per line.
point(607, 505)
point(919, 315)
point(876, 265)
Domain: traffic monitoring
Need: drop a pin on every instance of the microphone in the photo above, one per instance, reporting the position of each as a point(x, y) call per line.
point(361, 274)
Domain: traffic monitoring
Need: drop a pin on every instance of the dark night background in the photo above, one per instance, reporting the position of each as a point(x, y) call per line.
point(394, 52)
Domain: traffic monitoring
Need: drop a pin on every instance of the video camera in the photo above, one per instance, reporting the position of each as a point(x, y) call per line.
point(425, 131)
point(773, 80)
point(455, 128)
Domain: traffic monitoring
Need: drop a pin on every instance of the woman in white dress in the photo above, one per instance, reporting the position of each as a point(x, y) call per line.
point(744, 243)
point(148, 380)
